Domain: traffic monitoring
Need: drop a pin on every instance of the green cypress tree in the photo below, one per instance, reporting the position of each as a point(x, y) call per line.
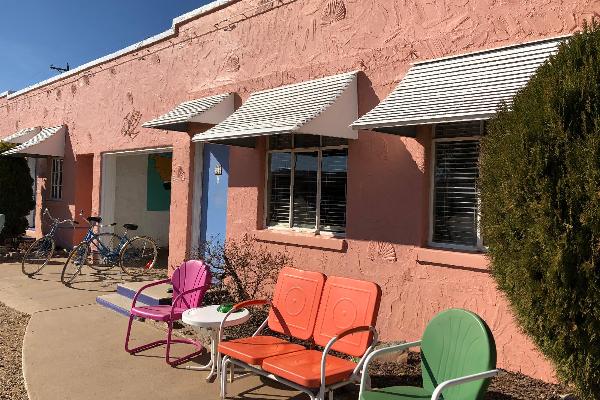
point(16, 194)
point(540, 192)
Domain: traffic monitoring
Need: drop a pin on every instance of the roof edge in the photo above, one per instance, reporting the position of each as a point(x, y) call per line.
point(178, 21)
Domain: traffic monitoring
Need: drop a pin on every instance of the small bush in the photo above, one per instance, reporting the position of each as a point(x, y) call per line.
point(243, 269)
point(16, 194)
point(540, 190)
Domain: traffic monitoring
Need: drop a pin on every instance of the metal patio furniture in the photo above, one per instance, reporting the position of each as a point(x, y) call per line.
point(346, 315)
point(210, 318)
point(190, 282)
point(458, 358)
point(293, 313)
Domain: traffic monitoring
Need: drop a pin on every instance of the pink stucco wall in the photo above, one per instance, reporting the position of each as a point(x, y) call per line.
point(257, 44)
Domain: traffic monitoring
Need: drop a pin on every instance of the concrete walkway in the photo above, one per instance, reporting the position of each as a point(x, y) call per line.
point(73, 348)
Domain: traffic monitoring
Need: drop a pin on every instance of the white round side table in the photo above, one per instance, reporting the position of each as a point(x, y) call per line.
point(209, 318)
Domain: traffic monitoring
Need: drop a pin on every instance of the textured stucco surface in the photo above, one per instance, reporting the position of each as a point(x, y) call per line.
point(257, 44)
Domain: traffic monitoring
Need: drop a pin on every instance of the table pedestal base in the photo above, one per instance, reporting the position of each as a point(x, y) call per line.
point(213, 365)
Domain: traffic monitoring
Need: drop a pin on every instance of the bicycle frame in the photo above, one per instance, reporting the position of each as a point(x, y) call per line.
point(92, 238)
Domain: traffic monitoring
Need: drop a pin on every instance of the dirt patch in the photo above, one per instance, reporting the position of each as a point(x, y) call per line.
point(12, 331)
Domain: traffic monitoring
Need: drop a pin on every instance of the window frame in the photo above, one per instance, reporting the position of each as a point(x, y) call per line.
point(288, 227)
point(479, 246)
point(56, 178)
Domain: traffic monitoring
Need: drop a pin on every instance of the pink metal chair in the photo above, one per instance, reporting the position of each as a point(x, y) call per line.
point(190, 282)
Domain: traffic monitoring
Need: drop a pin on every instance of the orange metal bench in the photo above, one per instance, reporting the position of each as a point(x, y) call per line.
point(293, 313)
point(347, 312)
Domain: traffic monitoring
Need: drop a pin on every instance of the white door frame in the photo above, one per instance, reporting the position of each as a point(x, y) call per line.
point(197, 196)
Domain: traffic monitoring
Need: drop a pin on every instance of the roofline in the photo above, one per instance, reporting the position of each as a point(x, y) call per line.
point(510, 46)
point(177, 22)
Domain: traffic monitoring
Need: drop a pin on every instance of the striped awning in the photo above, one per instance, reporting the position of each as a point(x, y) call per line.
point(208, 110)
point(323, 107)
point(22, 135)
point(460, 88)
point(49, 142)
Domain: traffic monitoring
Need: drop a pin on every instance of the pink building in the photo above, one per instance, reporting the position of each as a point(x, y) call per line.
point(343, 131)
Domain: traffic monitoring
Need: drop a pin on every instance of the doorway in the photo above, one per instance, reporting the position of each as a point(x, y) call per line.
point(136, 189)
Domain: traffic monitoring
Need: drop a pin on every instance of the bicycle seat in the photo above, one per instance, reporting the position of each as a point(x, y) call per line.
point(94, 219)
point(130, 227)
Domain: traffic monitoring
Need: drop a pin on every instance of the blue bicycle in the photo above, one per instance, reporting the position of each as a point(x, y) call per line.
point(103, 251)
point(41, 251)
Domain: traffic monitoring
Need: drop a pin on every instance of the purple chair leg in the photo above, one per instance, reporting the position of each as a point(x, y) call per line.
point(173, 363)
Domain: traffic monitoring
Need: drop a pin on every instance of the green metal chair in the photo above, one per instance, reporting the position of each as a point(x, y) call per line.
point(458, 358)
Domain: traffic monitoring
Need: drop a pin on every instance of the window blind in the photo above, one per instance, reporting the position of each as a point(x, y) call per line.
point(333, 190)
point(456, 200)
point(280, 178)
point(306, 186)
point(305, 190)
point(455, 204)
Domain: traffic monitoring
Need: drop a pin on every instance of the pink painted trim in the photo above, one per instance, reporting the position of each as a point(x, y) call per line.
point(300, 239)
point(454, 258)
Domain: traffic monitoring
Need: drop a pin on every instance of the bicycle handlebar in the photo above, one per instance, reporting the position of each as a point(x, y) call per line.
point(97, 224)
point(56, 220)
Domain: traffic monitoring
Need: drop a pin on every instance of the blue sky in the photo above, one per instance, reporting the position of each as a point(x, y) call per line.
point(37, 33)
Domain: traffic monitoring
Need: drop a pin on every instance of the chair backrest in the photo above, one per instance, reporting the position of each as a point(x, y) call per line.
point(190, 275)
point(457, 343)
point(347, 303)
point(296, 302)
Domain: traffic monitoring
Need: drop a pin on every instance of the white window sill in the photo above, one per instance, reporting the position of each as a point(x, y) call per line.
point(292, 238)
point(453, 258)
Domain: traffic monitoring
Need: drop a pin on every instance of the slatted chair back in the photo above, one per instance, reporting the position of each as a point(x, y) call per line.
point(190, 275)
point(456, 343)
point(296, 302)
point(347, 303)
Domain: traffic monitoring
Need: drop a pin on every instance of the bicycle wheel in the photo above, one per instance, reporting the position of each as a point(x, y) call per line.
point(37, 256)
point(77, 259)
point(104, 251)
point(138, 255)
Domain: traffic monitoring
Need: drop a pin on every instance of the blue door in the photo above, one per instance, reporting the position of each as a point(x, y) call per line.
point(215, 181)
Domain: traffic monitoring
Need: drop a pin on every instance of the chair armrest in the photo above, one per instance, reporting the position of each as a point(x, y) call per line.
point(465, 379)
point(250, 303)
point(379, 352)
point(338, 337)
point(155, 283)
point(183, 294)
point(243, 304)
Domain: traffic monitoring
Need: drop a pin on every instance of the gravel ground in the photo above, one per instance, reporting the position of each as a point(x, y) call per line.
point(12, 330)
point(509, 386)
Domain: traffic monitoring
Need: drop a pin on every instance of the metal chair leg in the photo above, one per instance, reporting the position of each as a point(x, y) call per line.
point(127, 349)
point(223, 377)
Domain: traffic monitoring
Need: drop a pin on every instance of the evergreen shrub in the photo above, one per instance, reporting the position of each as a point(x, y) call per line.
point(540, 193)
point(16, 194)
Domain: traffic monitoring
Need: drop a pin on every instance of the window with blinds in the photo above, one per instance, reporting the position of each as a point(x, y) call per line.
point(306, 186)
point(455, 208)
point(56, 179)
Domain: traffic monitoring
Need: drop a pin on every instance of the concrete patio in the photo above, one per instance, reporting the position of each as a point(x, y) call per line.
point(73, 348)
